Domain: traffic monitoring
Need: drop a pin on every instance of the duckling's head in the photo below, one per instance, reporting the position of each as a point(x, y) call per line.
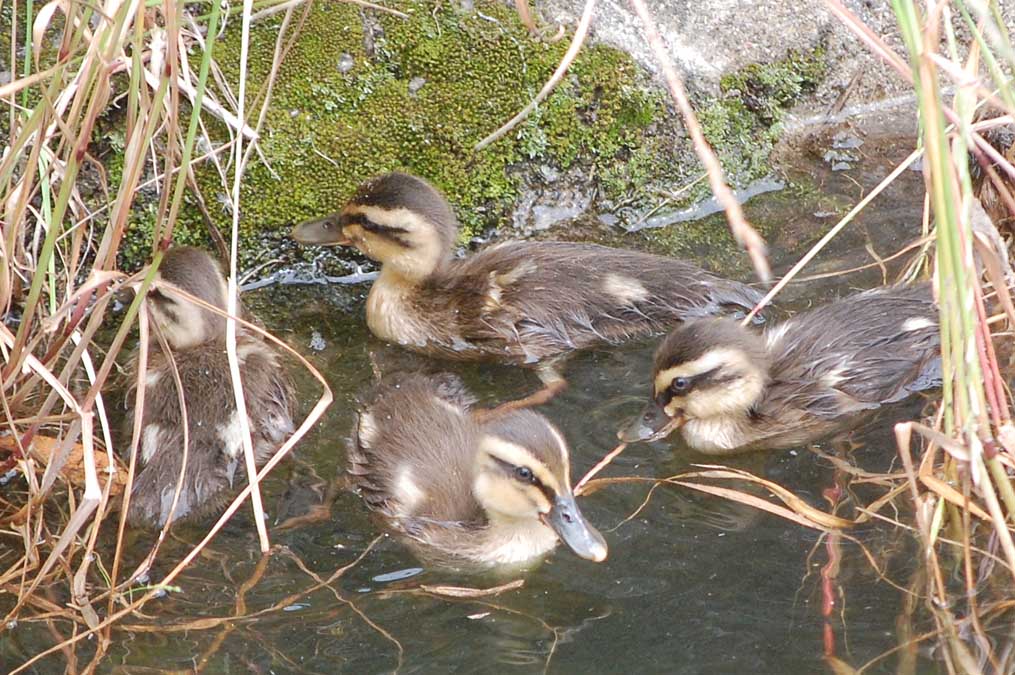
point(183, 323)
point(399, 220)
point(523, 474)
point(708, 368)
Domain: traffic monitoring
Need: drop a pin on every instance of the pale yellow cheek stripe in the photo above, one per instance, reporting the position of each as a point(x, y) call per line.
point(515, 454)
point(509, 496)
point(565, 453)
point(187, 328)
point(425, 245)
point(734, 359)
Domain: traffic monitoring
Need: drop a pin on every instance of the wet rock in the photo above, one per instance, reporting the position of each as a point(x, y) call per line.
point(548, 173)
point(373, 32)
point(707, 207)
point(846, 141)
point(839, 156)
point(608, 219)
point(544, 205)
point(711, 38)
point(415, 84)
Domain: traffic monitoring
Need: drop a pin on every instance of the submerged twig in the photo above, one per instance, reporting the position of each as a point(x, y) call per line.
point(600, 465)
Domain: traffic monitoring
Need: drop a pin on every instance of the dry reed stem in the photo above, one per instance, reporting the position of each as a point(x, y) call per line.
point(580, 34)
point(831, 234)
point(232, 303)
point(743, 232)
point(600, 465)
point(63, 122)
point(352, 605)
point(796, 510)
point(525, 16)
point(199, 624)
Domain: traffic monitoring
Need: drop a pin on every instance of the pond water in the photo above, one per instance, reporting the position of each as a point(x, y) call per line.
point(693, 583)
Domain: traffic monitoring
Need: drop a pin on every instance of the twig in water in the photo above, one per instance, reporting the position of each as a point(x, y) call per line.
point(831, 234)
point(465, 592)
point(600, 465)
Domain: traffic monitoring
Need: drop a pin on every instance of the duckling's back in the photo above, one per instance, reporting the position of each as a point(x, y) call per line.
point(214, 462)
point(869, 349)
point(526, 301)
point(412, 450)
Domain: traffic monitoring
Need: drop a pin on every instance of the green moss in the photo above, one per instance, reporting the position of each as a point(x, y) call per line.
point(706, 239)
point(328, 130)
point(744, 122)
point(422, 92)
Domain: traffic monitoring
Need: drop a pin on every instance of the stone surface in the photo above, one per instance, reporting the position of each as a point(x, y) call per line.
point(710, 38)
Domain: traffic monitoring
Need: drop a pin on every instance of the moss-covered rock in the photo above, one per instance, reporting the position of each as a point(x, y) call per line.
point(350, 102)
point(744, 122)
point(360, 93)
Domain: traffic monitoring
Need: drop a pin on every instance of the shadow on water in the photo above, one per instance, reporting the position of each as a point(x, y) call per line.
point(693, 584)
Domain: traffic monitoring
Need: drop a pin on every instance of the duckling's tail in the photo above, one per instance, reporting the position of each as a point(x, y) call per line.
point(736, 300)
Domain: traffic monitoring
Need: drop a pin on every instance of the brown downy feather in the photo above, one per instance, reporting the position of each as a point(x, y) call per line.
point(527, 301)
point(820, 369)
point(519, 302)
point(413, 459)
point(215, 464)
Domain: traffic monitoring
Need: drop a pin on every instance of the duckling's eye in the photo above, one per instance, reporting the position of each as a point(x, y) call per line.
point(524, 474)
point(680, 384)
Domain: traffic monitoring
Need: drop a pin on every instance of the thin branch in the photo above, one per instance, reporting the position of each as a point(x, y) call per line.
point(572, 51)
point(743, 232)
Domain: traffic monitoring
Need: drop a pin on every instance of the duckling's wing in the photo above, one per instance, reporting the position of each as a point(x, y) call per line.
point(873, 348)
point(411, 451)
point(270, 396)
point(547, 297)
point(209, 469)
point(214, 445)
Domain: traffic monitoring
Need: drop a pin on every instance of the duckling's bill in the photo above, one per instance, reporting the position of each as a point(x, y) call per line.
point(566, 519)
point(325, 231)
point(652, 424)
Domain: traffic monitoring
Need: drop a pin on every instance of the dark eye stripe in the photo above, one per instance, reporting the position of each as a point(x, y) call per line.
point(693, 382)
point(159, 297)
point(391, 232)
point(509, 469)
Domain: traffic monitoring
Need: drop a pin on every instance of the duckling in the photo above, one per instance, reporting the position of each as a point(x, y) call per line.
point(215, 451)
point(730, 389)
point(519, 302)
point(460, 489)
point(995, 188)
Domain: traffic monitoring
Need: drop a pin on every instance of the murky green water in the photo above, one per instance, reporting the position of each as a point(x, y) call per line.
point(693, 584)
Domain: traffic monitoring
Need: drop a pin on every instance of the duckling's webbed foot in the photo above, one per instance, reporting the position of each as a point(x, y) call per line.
point(315, 513)
point(553, 384)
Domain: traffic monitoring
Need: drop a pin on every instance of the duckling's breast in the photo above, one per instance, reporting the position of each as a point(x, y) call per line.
point(391, 313)
point(717, 435)
point(516, 543)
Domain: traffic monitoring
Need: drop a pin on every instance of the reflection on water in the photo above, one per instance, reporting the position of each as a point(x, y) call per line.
point(693, 584)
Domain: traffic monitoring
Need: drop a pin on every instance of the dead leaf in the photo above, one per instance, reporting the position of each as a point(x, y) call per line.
point(42, 449)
